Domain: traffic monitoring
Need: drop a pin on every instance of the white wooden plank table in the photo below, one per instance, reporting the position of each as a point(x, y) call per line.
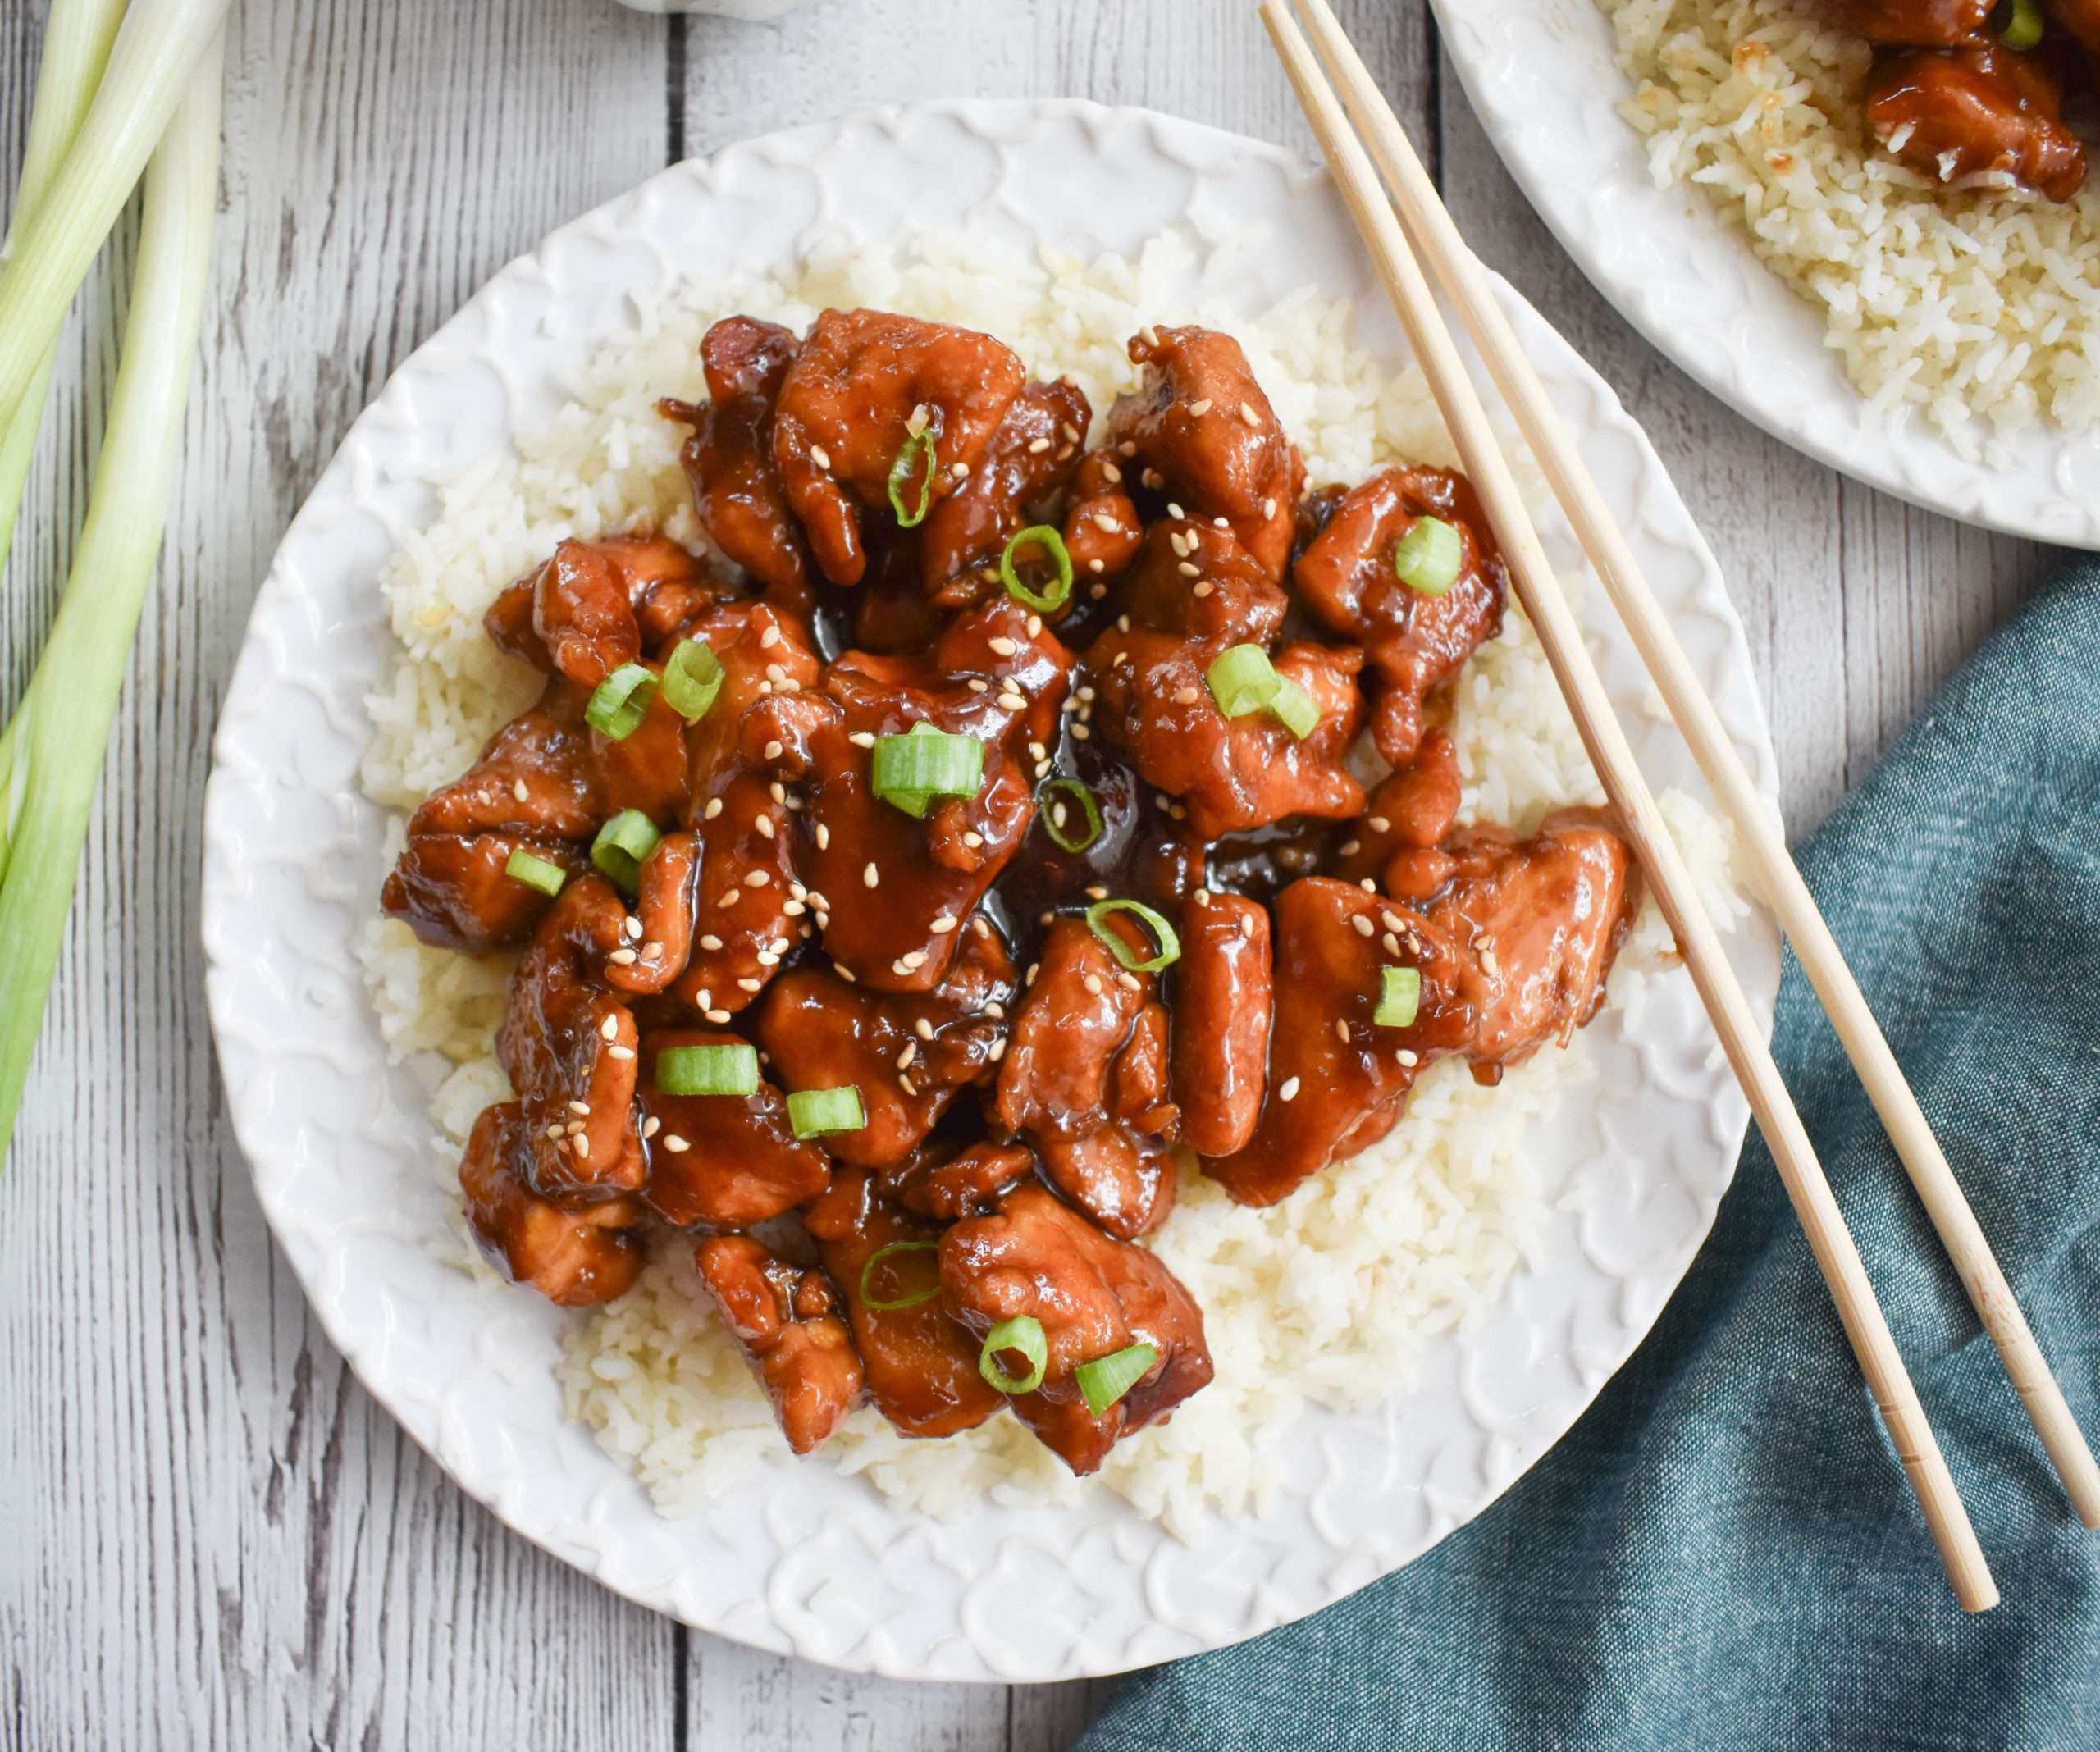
point(208, 1535)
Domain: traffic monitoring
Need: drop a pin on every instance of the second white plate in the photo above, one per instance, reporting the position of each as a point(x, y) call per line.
point(1543, 80)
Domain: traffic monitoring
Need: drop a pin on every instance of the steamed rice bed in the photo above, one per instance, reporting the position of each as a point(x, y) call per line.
point(1978, 302)
point(1326, 1299)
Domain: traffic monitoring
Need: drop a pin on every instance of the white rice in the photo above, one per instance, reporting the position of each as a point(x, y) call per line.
point(1326, 1299)
point(1977, 303)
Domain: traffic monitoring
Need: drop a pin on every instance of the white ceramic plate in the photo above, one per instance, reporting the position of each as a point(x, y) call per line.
point(806, 1560)
point(1542, 79)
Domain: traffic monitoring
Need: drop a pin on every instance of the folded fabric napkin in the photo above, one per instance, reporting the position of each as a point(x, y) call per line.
point(1723, 1553)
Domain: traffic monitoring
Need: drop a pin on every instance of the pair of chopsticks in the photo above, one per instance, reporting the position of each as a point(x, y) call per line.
point(1431, 236)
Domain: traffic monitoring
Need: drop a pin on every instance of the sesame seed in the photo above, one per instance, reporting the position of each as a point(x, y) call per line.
point(582, 1146)
point(1407, 1057)
point(1246, 926)
point(731, 898)
point(713, 809)
point(818, 456)
point(633, 927)
point(1081, 732)
point(611, 1027)
point(1071, 432)
point(580, 1108)
point(651, 1125)
point(1378, 824)
point(1037, 446)
point(619, 1052)
point(915, 960)
point(1184, 696)
point(1126, 449)
point(764, 823)
point(767, 958)
point(517, 789)
point(1189, 569)
point(1201, 896)
point(824, 837)
point(1176, 541)
point(1247, 414)
point(870, 876)
point(917, 423)
point(862, 739)
point(907, 1085)
point(1150, 336)
point(1364, 927)
point(765, 687)
point(1128, 981)
point(1096, 591)
point(794, 909)
point(1095, 891)
point(923, 1028)
point(749, 985)
point(1094, 983)
point(979, 685)
point(675, 1144)
point(1201, 589)
point(1288, 1091)
point(972, 840)
point(1102, 521)
point(705, 1000)
point(1489, 965)
point(999, 1050)
point(1368, 885)
point(769, 638)
point(898, 966)
point(1013, 702)
point(1349, 850)
point(996, 1010)
point(717, 1015)
point(1390, 943)
point(1268, 508)
point(1112, 474)
point(910, 1052)
point(1341, 1031)
point(1004, 646)
point(758, 879)
point(622, 958)
point(555, 1130)
point(711, 941)
point(1177, 513)
point(1199, 408)
point(943, 924)
point(960, 471)
point(1153, 479)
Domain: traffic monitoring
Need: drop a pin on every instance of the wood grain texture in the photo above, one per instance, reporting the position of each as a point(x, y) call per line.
point(209, 1535)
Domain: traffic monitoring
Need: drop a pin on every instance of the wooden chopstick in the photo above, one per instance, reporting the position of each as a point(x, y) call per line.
point(1437, 242)
point(1561, 638)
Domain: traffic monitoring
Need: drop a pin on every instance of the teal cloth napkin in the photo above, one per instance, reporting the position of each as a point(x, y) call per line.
point(1723, 1553)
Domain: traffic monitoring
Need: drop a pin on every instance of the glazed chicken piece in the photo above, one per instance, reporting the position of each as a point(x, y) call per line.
point(1929, 23)
point(750, 912)
point(736, 488)
point(1223, 985)
point(787, 1318)
point(938, 1181)
point(1085, 1076)
point(1398, 840)
point(1538, 922)
point(1026, 466)
point(658, 934)
point(896, 889)
point(723, 1161)
point(1338, 1081)
point(576, 1257)
point(1196, 580)
point(921, 1367)
point(1950, 113)
point(1094, 1296)
point(1102, 530)
point(909, 1054)
point(582, 613)
point(1154, 702)
point(567, 1045)
point(545, 782)
point(762, 650)
point(847, 408)
point(1200, 432)
point(1415, 642)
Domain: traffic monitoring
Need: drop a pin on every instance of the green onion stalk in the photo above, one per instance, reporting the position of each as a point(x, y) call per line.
point(54, 749)
point(75, 50)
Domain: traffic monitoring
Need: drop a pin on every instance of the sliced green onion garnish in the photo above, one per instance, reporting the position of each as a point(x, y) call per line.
point(1428, 556)
point(1107, 1379)
point(1042, 536)
point(1023, 1332)
point(2018, 23)
point(1399, 997)
point(868, 1299)
point(731, 1069)
point(622, 700)
point(691, 679)
point(1170, 945)
point(815, 1113)
point(910, 771)
point(1046, 800)
point(918, 446)
point(1294, 708)
point(622, 845)
point(534, 872)
point(1242, 680)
